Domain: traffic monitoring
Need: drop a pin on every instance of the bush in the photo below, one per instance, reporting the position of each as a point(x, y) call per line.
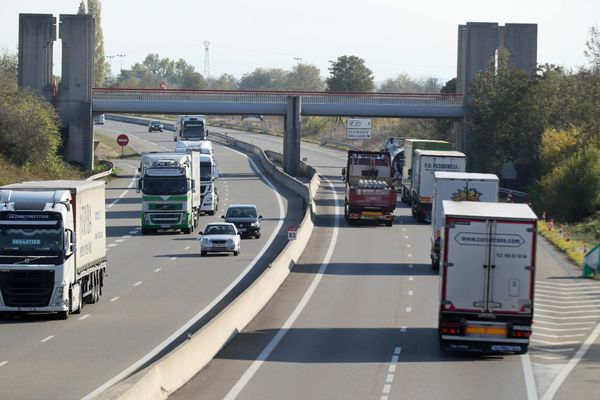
point(571, 190)
point(29, 130)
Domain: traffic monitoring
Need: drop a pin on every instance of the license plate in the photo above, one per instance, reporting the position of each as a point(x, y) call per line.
point(26, 308)
point(486, 330)
point(506, 348)
point(372, 213)
point(242, 229)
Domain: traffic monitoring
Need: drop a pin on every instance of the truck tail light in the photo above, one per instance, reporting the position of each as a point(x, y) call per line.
point(520, 331)
point(450, 328)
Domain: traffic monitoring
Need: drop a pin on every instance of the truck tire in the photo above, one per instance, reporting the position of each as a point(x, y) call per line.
point(211, 212)
point(147, 231)
point(420, 215)
point(203, 254)
point(389, 223)
point(187, 231)
point(62, 315)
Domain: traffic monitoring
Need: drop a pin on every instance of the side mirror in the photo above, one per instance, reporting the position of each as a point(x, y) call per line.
point(200, 233)
point(260, 217)
point(73, 244)
point(222, 216)
point(193, 186)
point(343, 174)
point(140, 184)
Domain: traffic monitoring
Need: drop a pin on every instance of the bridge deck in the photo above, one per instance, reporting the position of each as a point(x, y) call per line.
point(174, 101)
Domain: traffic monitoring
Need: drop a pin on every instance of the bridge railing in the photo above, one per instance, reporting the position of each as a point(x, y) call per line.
point(278, 97)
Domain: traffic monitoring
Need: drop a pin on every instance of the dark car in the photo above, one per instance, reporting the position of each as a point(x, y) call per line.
point(155, 126)
point(246, 219)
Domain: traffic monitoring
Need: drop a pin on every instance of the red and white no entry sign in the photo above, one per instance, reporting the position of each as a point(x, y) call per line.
point(122, 139)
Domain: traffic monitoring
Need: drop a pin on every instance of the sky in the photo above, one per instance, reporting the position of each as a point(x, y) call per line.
point(418, 38)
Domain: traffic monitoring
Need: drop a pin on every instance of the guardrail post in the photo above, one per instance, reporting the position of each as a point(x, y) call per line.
point(291, 137)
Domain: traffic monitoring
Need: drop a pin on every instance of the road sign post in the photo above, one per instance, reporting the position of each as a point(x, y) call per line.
point(122, 140)
point(358, 128)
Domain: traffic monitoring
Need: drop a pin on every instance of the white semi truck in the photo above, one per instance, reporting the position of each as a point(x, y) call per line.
point(170, 186)
point(52, 246)
point(487, 277)
point(457, 186)
point(424, 164)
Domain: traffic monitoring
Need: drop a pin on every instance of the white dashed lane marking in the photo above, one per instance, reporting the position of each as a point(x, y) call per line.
point(84, 317)
point(137, 283)
point(157, 269)
point(3, 363)
point(119, 240)
point(112, 245)
point(186, 247)
point(44, 340)
point(114, 299)
point(410, 292)
point(173, 258)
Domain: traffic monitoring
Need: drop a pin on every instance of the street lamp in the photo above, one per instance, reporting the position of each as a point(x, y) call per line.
point(110, 58)
point(121, 57)
point(298, 59)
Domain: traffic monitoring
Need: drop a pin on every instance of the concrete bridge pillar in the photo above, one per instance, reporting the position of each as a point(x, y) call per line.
point(75, 91)
point(291, 137)
point(37, 33)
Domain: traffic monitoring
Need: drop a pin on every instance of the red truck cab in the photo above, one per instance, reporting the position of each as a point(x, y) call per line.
point(370, 194)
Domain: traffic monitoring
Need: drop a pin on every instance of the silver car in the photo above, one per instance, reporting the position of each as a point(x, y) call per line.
point(220, 237)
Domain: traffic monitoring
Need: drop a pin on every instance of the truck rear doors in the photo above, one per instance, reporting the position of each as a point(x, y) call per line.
point(488, 266)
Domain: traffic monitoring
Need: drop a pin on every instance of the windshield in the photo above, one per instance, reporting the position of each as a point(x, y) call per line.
point(165, 186)
point(205, 171)
point(219, 230)
point(31, 237)
point(241, 212)
point(194, 130)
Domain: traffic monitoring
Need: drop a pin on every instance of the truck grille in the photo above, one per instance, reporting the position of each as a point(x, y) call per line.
point(164, 219)
point(165, 206)
point(219, 241)
point(26, 288)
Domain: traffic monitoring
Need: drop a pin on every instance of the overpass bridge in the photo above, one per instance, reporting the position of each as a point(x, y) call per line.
point(76, 100)
point(232, 102)
point(290, 105)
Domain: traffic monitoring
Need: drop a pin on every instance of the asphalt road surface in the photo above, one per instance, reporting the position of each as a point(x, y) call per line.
point(158, 287)
point(357, 319)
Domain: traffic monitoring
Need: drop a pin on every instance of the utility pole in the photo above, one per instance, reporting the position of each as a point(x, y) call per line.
point(206, 62)
point(121, 57)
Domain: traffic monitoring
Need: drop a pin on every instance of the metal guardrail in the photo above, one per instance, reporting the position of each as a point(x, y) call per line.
point(102, 174)
point(335, 143)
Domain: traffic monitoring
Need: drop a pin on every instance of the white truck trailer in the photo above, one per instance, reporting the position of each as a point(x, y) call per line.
point(52, 246)
point(487, 277)
point(170, 186)
point(457, 186)
point(424, 164)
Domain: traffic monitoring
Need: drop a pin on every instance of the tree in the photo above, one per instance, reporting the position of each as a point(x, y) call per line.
point(592, 45)
point(225, 82)
point(504, 122)
point(95, 10)
point(403, 83)
point(304, 77)
point(349, 74)
point(8, 72)
point(81, 9)
point(264, 79)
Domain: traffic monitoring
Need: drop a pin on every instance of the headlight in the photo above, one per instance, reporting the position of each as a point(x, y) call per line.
point(208, 197)
point(255, 224)
point(206, 240)
point(58, 296)
point(229, 241)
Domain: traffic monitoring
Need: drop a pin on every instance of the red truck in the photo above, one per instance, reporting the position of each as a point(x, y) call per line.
point(370, 194)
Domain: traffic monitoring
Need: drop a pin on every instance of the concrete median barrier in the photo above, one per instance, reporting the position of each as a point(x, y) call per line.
point(175, 369)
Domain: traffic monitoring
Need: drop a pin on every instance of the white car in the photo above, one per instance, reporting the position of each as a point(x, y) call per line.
point(220, 237)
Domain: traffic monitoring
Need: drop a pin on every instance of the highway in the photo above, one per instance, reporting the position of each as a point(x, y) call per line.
point(357, 319)
point(157, 285)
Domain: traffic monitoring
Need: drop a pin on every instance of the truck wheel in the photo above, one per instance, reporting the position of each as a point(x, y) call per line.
point(146, 231)
point(203, 253)
point(211, 212)
point(420, 215)
point(389, 223)
point(62, 315)
point(236, 253)
point(187, 231)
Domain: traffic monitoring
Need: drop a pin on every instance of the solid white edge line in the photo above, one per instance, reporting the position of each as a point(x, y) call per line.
point(564, 373)
point(529, 377)
point(128, 371)
point(264, 355)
